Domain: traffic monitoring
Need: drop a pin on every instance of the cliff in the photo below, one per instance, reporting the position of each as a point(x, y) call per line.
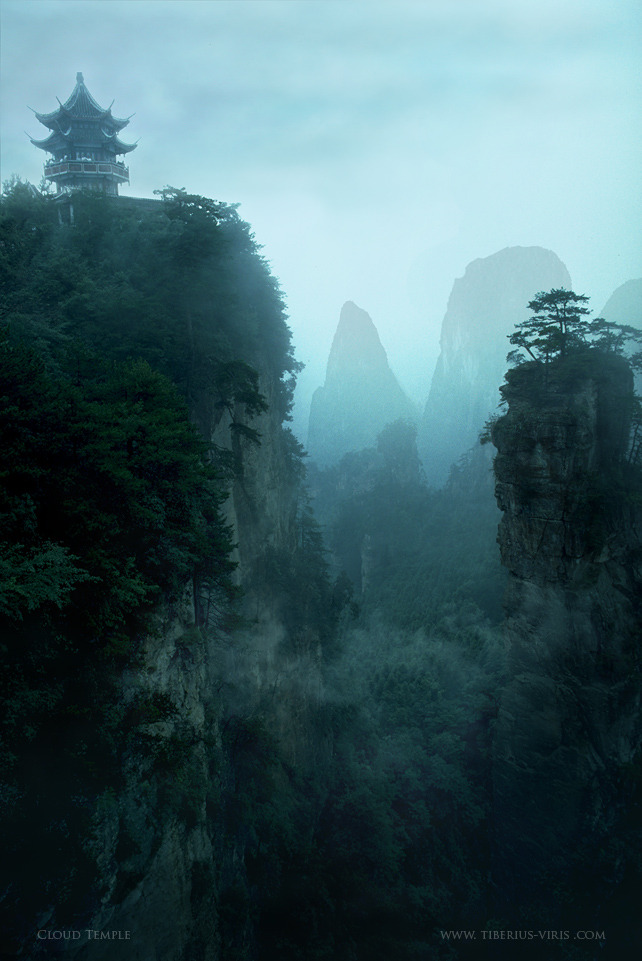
point(569, 728)
point(360, 395)
point(214, 713)
point(483, 307)
point(154, 717)
point(216, 719)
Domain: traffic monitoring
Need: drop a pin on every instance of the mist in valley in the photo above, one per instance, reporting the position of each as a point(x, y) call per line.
point(320, 615)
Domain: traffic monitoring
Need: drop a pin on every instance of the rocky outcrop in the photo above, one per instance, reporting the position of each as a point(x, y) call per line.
point(167, 847)
point(199, 706)
point(152, 816)
point(483, 308)
point(360, 394)
point(153, 842)
point(570, 719)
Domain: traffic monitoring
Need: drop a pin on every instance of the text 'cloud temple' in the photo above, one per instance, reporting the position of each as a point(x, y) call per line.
point(84, 144)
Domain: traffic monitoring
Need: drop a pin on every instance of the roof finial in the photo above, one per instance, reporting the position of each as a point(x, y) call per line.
point(79, 78)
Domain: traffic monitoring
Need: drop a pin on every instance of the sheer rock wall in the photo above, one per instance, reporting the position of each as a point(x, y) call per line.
point(167, 844)
point(570, 719)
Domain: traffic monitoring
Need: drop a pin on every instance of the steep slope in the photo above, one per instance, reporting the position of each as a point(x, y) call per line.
point(173, 723)
point(483, 307)
point(624, 306)
point(360, 394)
point(569, 729)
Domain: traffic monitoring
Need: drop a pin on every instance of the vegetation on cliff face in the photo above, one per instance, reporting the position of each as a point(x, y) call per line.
point(123, 334)
point(305, 774)
point(184, 289)
point(565, 345)
point(568, 352)
point(121, 330)
point(569, 488)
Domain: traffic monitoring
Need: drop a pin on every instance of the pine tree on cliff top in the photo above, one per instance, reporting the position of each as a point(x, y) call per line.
point(559, 325)
point(557, 322)
point(558, 328)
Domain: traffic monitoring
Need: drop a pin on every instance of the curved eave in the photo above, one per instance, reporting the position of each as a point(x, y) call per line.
point(55, 120)
point(64, 115)
point(49, 119)
point(116, 122)
point(118, 144)
point(49, 143)
point(81, 105)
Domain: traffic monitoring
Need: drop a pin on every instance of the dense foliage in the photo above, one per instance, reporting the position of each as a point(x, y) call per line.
point(107, 495)
point(137, 322)
point(341, 776)
point(418, 555)
point(559, 325)
point(400, 845)
point(108, 507)
point(125, 326)
point(183, 287)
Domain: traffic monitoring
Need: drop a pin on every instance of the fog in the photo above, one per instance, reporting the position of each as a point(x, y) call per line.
point(264, 706)
point(376, 148)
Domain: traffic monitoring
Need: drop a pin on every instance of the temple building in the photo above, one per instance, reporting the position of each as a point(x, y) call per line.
point(84, 145)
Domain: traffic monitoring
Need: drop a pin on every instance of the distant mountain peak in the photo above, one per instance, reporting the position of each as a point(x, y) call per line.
point(360, 394)
point(483, 308)
point(355, 345)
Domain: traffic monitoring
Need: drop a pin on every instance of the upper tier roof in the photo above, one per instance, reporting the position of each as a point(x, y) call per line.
point(80, 105)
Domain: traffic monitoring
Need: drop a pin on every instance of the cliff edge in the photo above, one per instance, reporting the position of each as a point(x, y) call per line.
point(569, 728)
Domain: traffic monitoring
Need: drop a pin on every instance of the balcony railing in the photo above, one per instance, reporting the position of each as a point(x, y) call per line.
point(65, 169)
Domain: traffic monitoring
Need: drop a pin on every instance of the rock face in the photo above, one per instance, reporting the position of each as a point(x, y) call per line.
point(624, 306)
point(360, 395)
point(483, 308)
point(153, 844)
point(167, 846)
point(570, 719)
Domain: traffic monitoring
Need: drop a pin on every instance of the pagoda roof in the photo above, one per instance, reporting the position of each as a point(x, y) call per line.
point(50, 142)
point(57, 137)
point(120, 145)
point(80, 105)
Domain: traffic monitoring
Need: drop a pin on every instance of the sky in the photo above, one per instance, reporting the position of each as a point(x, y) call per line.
point(376, 148)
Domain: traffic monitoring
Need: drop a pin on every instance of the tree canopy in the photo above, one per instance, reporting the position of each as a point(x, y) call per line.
point(559, 324)
point(126, 337)
point(182, 286)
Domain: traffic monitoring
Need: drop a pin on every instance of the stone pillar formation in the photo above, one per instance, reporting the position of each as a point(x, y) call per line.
point(570, 720)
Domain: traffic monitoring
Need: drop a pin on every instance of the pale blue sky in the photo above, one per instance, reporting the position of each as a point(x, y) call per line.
point(375, 147)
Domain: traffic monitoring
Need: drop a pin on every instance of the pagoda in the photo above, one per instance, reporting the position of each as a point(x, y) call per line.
point(84, 145)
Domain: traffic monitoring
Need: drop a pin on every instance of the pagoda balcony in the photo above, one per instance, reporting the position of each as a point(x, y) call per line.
point(65, 170)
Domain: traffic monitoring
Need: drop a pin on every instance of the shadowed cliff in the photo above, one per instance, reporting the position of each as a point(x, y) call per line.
point(570, 723)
